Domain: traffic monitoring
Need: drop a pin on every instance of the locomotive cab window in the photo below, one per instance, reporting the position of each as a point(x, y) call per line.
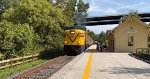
point(72, 31)
point(81, 35)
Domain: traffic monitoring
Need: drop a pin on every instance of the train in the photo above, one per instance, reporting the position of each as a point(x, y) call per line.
point(76, 40)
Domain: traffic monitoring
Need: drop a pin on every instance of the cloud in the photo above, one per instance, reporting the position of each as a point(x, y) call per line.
point(107, 7)
point(111, 11)
point(97, 9)
point(112, 2)
point(94, 7)
point(137, 6)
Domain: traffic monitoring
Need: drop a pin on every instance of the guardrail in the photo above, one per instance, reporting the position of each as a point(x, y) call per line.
point(17, 61)
point(143, 50)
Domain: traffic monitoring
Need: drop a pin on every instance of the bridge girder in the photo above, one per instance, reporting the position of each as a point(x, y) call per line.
point(105, 20)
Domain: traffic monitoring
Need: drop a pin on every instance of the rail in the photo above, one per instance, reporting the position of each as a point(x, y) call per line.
point(44, 70)
point(17, 61)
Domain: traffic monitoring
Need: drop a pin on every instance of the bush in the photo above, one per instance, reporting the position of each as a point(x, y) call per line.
point(23, 39)
point(15, 39)
point(1, 56)
point(7, 35)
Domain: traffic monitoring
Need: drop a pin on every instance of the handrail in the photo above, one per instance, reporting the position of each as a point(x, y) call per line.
point(143, 50)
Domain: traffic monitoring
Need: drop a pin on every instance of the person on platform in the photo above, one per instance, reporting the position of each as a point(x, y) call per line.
point(101, 47)
point(98, 45)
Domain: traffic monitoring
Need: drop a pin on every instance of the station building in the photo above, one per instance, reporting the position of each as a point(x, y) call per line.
point(129, 35)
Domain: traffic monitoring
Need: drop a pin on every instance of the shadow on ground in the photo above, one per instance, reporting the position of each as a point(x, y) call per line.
point(50, 54)
point(91, 51)
point(104, 51)
point(127, 70)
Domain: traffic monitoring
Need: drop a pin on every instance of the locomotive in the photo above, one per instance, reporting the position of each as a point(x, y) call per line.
point(76, 40)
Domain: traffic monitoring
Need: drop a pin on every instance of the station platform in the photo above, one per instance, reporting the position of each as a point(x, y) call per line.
point(103, 65)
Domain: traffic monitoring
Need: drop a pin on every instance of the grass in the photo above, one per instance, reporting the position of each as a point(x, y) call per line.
point(44, 57)
point(13, 70)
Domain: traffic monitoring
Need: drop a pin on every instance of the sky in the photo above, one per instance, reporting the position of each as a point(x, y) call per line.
point(114, 7)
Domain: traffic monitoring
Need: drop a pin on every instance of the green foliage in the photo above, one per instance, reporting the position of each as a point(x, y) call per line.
point(15, 38)
point(6, 36)
point(99, 37)
point(92, 35)
point(70, 10)
point(35, 12)
point(83, 6)
point(102, 37)
point(5, 4)
point(1, 56)
point(24, 35)
point(46, 20)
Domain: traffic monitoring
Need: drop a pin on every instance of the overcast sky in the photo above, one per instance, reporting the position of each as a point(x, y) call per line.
point(114, 7)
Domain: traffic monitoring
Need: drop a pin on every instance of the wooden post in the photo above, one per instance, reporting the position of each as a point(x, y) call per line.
point(32, 57)
point(23, 60)
point(11, 62)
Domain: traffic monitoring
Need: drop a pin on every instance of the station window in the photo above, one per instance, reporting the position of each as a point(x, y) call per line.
point(130, 41)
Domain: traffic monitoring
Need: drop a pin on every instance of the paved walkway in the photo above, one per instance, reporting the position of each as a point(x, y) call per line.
point(107, 66)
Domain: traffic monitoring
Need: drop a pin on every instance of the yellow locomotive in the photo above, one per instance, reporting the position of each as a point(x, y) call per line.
point(76, 40)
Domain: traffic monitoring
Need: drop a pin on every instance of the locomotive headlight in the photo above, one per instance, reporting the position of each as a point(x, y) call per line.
point(72, 32)
point(79, 42)
point(65, 42)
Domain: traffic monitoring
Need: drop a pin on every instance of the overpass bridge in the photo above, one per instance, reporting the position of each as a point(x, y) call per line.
point(105, 20)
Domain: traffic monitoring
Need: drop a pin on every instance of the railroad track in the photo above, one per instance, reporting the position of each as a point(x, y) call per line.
point(45, 70)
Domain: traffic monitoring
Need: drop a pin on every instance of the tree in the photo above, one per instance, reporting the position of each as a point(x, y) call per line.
point(92, 35)
point(102, 37)
point(81, 11)
point(5, 4)
point(83, 6)
point(70, 10)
